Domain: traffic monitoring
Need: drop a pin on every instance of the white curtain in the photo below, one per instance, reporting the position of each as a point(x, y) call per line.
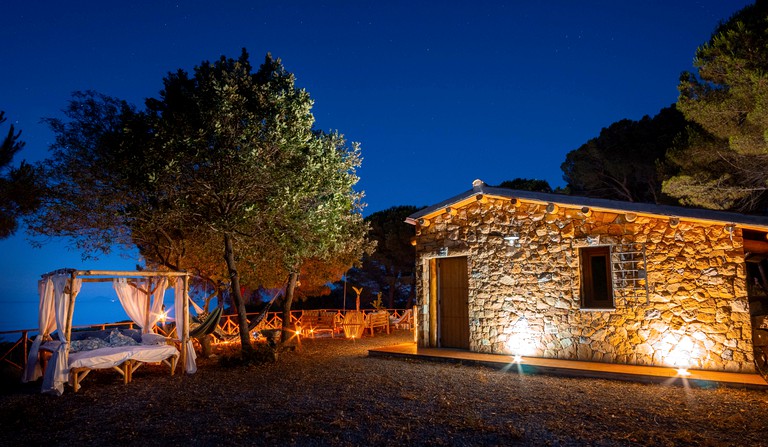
point(57, 372)
point(46, 319)
point(179, 303)
point(134, 301)
point(156, 311)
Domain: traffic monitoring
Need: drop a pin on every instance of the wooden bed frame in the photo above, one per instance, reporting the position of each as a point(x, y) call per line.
point(78, 374)
point(121, 360)
point(126, 367)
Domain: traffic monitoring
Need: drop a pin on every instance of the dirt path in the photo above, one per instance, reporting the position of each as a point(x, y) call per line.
point(331, 393)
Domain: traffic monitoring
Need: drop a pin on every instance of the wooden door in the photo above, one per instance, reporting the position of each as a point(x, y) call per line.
point(453, 294)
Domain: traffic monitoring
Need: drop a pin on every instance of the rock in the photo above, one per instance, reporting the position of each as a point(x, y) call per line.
point(644, 349)
point(652, 314)
point(507, 280)
point(740, 305)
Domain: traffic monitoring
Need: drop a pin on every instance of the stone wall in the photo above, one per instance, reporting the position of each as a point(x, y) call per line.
point(524, 294)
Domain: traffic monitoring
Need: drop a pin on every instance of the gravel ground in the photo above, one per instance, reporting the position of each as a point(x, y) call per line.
point(331, 393)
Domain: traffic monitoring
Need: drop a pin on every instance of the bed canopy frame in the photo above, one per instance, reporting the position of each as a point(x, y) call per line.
point(59, 289)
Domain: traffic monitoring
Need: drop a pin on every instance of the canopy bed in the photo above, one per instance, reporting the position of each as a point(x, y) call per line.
point(74, 355)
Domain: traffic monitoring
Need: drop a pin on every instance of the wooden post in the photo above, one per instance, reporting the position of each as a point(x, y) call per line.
point(358, 291)
point(433, 303)
point(184, 335)
point(71, 309)
point(186, 308)
point(24, 359)
point(148, 307)
point(755, 246)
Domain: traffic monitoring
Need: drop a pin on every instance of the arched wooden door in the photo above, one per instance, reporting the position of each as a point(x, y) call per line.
point(453, 302)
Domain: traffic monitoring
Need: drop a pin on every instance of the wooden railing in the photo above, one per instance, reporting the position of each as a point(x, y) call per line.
point(274, 320)
point(228, 325)
point(21, 344)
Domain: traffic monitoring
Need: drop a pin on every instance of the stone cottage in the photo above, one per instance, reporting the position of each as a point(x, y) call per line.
point(548, 275)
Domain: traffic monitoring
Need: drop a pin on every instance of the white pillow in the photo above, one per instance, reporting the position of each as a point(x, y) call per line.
point(152, 339)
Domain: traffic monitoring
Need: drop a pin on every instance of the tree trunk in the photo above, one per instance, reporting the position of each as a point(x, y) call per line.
point(293, 278)
point(392, 280)
point(237, 297)
point(412, 292)
point(205, 344)
point(215, 294)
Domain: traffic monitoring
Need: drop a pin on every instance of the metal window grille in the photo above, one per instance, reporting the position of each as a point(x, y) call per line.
point(630, 278)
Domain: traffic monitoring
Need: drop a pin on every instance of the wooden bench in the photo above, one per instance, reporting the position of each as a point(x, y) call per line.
point(314, 321)
point(377, 319)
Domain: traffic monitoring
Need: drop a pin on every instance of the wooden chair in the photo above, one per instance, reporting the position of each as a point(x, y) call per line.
point(405, 321)
point(314, 321)
point(377, 319)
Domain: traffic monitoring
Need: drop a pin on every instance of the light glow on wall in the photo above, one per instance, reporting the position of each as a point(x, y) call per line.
point(520, 339)
point(678, 351)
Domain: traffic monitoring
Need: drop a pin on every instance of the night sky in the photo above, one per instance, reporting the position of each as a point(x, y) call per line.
point(438, 94)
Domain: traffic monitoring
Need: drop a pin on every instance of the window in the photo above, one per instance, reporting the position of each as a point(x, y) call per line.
point(596, 279)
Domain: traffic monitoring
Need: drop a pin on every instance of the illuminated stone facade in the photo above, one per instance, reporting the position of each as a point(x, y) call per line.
point(525, 292)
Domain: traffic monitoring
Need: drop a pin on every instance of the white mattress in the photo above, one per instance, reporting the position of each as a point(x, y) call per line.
point(104, 358)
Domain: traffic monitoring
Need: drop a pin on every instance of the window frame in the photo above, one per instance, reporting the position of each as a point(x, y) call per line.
point(588, 301)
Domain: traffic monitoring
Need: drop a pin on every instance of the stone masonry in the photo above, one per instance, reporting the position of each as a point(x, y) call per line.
point(524, 293)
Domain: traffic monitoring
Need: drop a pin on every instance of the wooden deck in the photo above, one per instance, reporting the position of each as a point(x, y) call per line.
point(573, 368)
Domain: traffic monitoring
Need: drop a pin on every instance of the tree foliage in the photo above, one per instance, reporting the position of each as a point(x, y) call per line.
point(527, 184)
point(91, 184)
point(390, 267)
point(317, 216)
point(222, 174)
point(20, 188)
point(626, 161)
point(723, 160)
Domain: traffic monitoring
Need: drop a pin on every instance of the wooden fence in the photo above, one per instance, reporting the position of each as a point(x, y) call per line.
point(274, 320)
point(15, 352)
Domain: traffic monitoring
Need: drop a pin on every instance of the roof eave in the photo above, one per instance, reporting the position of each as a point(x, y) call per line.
point(759, 223)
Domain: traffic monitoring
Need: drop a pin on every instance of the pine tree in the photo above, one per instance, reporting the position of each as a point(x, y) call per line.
point(626, 161)
point(723, 159)
point(20, 187)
